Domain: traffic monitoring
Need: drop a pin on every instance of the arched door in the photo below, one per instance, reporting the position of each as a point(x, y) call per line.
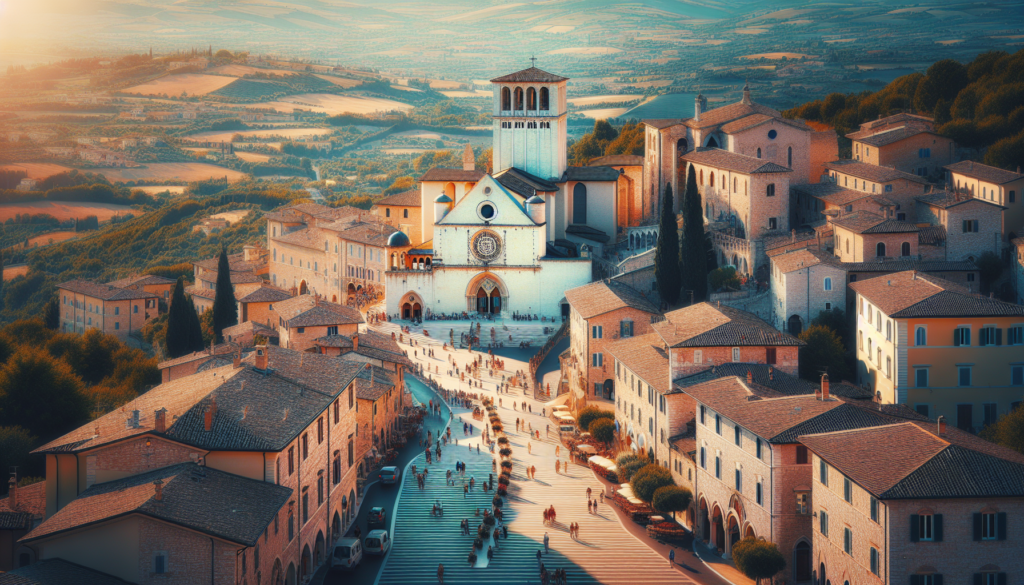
point(579, 203)
point(303, 289)
point(417, 311)
point(495, 301)
point(796, 325)
point(802, 560)
point(481, 300)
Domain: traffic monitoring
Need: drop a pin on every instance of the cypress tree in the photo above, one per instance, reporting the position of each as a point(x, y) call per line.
point(195, 330)
point(666, 256)
point(694, 245)
point(51, 314)
point(225, 310)
point(179, 338)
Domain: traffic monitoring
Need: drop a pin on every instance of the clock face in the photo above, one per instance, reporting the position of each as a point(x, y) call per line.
point(486, 246)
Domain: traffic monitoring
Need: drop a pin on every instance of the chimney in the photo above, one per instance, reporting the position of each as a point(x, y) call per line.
point(824, 386)
point(697, 109)
point(941, 425)
point(771, 373)
point(12, 492)
point(262, 359)
point(355, 342)
point(750, 377)
point(238, 359)
point(468, 160)
point(158, 490)
point(746, 94)
point(160, 416)
point(208, 420)
point(213, 405)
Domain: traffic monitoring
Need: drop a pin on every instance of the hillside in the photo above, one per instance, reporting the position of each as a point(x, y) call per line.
point(979, 104)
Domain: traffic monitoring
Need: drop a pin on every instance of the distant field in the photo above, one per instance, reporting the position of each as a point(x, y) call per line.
point(405, 88)
point(11, 272)
point(240, 70)
point(222, 136)
point(57, 237)
point(604, 99)
point(172, 189)
point(193, 83)
point(950, 42)
point(63, 211)
point(776, 56)
point(37, 170)
point(252, 156)
point(340, 81)
point(605, 113)
point(175, 171)
point(443, 84)
point(333, 104)
point(249, 88)
point(480, 93)
point(585, 51)
point(231, 216)
point(750, 31)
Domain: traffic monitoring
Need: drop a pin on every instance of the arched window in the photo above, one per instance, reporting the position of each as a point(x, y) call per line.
point(880, 250)
point(518, 98)
point(921, 337)
point(531, 99)
point(579, 203)
point(758, 153)
point(702, 176)
point(905, 249)
point(790, 157)
point(387, 212)
point(506, 99)
point(681, 146)
point(712, 178)
point(405, 213)
point(544, 99)
point(828, 283)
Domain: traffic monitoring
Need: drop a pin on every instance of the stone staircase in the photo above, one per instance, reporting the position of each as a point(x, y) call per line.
point(531, 331)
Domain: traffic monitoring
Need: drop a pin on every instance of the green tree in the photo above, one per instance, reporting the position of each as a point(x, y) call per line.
point(836, 321)
point(942, 112)
point(1008, 431)
point(758, 559)
point(693, 260)
point(183, 334)
point(949, 77)
point(225, 309)
point(603, 429)
point(666, 256)
point(823, 352)
point(724, 279)
point(927, 94)
point(629, 463)
point(648, 479)
point(590, 414)
point(41, 394)
point(51, 314)
point(990, 268)
point(1006, 153)
point(16, 444)
point(604, 131)
point(671, 498)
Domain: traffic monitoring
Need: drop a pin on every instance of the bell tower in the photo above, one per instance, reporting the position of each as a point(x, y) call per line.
point(530, 112)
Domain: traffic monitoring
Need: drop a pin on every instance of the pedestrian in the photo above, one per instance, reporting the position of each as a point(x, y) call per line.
point(529, 448)
point(538, 557)
point(577, 531)
point(558, 450)
point(590, 507)
point(588, 493)
point(595, 506)
point(465, 491)
point(504, 531)
point(672, 558)
point(490, 553)
point(546, 543)
point(440, 573)
point(558, 466)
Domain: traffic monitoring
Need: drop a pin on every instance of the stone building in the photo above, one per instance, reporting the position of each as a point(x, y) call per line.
point(861, 176)
point(158, 285)
point(932, 345)
point(21, 510)
point(303, 319)
point(803, 285)
point(905, 142)
point(86, 305)
point(971, 225)
point(906, 499)
point(999, 186)
point(255, 459)
point(403, 211)
point(1017, 268)
point(601, 313)
point(247, 270)
point(862, 235)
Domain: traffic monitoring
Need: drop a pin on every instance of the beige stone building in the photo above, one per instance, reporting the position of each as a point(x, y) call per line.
point(402, 211)
point(303, 319)
point(971, 226)
point(86, 305)
point(920, 510)
point(999, 186)
point(862, 236)
point(803, 285)
point(905, 142)
point(861, 176)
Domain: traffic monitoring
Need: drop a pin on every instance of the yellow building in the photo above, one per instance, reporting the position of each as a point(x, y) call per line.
point(932, 345)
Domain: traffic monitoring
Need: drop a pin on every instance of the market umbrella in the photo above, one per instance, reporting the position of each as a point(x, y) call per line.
point(586, 449)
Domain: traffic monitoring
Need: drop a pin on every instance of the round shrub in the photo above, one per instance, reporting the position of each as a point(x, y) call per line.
point(506, 464)
point(483, 531)
point(648, 479)
point(505, 452)
point(630, 463)
point(503, 440)
point(590, 414)
point(502, 491)
point(503, 481)
point(603, 430)
point(496, 427)
point(671, 498)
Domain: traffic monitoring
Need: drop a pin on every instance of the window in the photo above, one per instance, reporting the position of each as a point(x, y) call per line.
point(735, 354)
point(758, 153)
point(737, 435)
point(135, 309)
point(773, 223)
point(874, 509)
point(770, 189)
point(921, 409)
point(320, 430)
point(965, 417)
point(888, 330)
point(305, 446)
point(880, 249)
point(759, 493)
point(387, 212)
point(770, 354)
point(117, 310)
point(305, 505)
point(990, 336)
point(703, 458)
point(921, 336)
point(828, 283)
point(703, 412)
point(1011, 197)
point(926, 527)
point(160, 563)
point(739, 480)
point(1017, 375)
point(320, 491)
point(964, 377)
point(598, 360)
point(626, 329)
point(117, 325)
point(758, 447)
point(823, 472)
point(962, 336)
point(847, 490)
point(970, 226)
point(718, 467)
point(1015, 335)
point(990, 526)
point(291, 460)
point(698, 356)
point(801, 503)
point(718, 424)
point(597, 331)
point(989, 412)
point(924, 153)
point(823, 522)
point(801, 455)
point(873, 560)
point(848, 541)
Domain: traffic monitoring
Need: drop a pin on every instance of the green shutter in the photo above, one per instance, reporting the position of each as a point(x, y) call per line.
point(956, 337)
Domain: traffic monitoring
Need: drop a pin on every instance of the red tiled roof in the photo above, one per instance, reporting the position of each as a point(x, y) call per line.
point(723, 159)
point(870, 172)
point(598, 298)
point(647, 357)
point(455, 175)
point(308, 311)
point(984, 172)
point(105, 292)
point(529, 75)
point(409, 198)
point(707, 325)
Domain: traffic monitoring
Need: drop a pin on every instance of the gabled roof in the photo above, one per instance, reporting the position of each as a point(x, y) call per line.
point(225, 348)
point(587, 232)
point(222, 505)
point(984, 172)
point(707, 325)
point(409, 198)
point(509, 208)
point(830, 192)
point(799, 259)
point(530, 75)
point(890, 135)
point(367, 233)
point(57, 572)
point(590, 173)
point(236, 263)
point(524, 183)
point(723, 159)
point(455, 175)
point(647, 357)
point(946, 199)
point(618, 160)
point(372, 344)
point(728, 113)
point(913, 294)
point(746, 122)
point(266, 294)
point(598, 298)
point(251, 327)
point(373, 382)
point(309, 311)
point(870, 172)
point(140, 280)
point(309, 237)
point(105, 292)
point(762, 375)
point(910, 460)
point(662, 123)
point(866, 222)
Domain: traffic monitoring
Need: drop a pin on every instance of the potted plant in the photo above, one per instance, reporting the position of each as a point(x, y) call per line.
point(506, 465)
point(502, 491)
point(505, 452)
point(503, 441)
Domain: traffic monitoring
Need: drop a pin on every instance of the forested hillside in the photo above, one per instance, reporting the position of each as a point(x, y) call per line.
point(606, 140)
point(980, 105)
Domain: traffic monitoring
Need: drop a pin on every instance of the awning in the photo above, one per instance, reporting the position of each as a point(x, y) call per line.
point(586, 449)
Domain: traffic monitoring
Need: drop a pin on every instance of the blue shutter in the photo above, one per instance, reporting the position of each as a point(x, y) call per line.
point(977, 526)
point(914, 528)
point(1001, 526)
point(937, 527)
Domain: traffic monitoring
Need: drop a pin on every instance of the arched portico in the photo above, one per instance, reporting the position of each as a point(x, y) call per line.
point(718, 528)
point(412, 306)
point(303, 289)
point(486, 293)
point(704, 519)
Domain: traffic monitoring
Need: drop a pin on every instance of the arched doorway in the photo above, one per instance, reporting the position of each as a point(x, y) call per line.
point(336, 524)
point(276, 576)
point(579, 203)
point(486, 294)
point(734, 531)
point(749, 532)
point(718, 529)
point(318, 549)
point(290, 576)
point(609, 389)
point(334, 298)
point(795, 326)
point(306, 563)
point(705, 521)
point(303, 289)
point(681, 146)
point(802, 561)
point(412, 306)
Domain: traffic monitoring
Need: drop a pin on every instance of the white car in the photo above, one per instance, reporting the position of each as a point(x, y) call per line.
point(347, 554)
point(377, 542)
point(389, 475)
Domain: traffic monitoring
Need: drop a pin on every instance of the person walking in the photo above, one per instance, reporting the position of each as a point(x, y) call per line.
point(588, 493)
point(529, 448)
point(672, 558)
point(538, 557)
point(440, 573)
point(465, 491)
point(590, 507)
point(558, 466)
point(546, 543)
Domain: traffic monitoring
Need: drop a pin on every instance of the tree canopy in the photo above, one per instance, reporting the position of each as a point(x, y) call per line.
point(225, 309)
point(671, 498)
point(758, 559)
point(183, 335)
point(693, 262)
point(648, 479)
point(1008, 431)
point(666, 255)
point(824, 352)
point(590, 414)
point(603, 429)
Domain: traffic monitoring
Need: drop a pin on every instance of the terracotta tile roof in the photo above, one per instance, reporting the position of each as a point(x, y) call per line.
point(723, 159)
point(932, 235)
point(784, 240)
point(308, 237)
point(707, 325)
point(984, 172)
point(201, 291)
point(901, 265)
point(104, 292)
point(236, 263)
point(530, 75)
point(866, 222)
point(746, 122)
point(617, 160)
point(647, 357)
point(219, 504)
point(139, 280)
point(589, 173)
point(524, 183)
point(946, 199)
point(909, 460)
point(219, 349)
point(730, 112)
point(455, 175)
point(409, 198)
point(367, 233)
point(663, 122)
point(872, 173)
point(250, 327)
point(890, 135)
point(31, 501)
point(763, 375)
point(307, 311)
point(895, 119)
point(266, 294)
point(57, 572)
point(830, 192)
point(372, 344)
point(910, 294)
point(373, 382)
point(11, 520)
point(598, 298)
point(796, 260)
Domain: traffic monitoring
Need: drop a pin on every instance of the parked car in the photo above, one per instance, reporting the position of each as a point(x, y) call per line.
point(377, 542)
point(348, 552)
point(389, 475)
point(377, 517)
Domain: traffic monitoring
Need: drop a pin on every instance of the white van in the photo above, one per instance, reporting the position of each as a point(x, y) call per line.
point(347, 554)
